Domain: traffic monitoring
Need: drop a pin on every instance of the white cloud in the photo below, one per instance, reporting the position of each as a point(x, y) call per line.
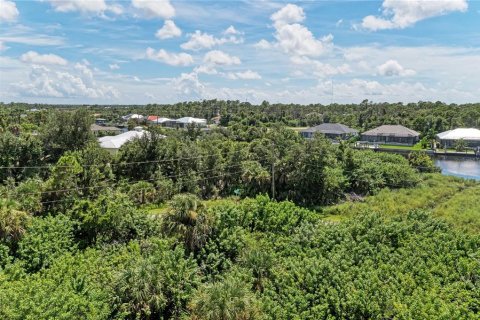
point(393, 68)
point(75, 83)
point(173, 59)
point(320, 69)
point(402, 14)
point(91, 6)
point(294, 38)
point(207, 69)
point(338, 23)
point(114, 66)
point(244, 75)
point(263, 44)
point(3, 47)
point(187, 85)
point(169, 30)
point(154, 8)
point(9, 11)
point(231, 30)
point(287, 15)
point(217, 57)
point(199, 40)
point(115, 9)
point(36, 58)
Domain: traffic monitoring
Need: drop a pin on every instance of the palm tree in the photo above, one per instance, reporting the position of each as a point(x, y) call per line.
point(141, 291)
point(230, 299)
point(188, 219)
point(12, 221)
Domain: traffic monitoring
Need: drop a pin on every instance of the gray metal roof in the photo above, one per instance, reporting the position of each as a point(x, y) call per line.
point(96, 127)
point(331, 128)
point(392, 131)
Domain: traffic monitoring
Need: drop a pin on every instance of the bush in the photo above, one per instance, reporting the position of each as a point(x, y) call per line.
point(45, 240)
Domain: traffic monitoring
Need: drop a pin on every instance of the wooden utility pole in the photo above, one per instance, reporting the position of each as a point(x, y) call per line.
point(273, 170)
point(273, 179)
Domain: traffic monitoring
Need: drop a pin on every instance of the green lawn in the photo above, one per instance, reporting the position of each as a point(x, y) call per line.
point(297, 129)
point(416, 147)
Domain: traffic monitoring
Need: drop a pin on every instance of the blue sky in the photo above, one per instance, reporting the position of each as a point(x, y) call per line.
point(159, 51)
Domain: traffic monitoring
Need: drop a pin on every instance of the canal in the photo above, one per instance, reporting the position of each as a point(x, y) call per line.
point(468, 168)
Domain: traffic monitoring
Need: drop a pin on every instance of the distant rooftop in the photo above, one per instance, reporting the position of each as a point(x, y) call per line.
point(191, 120)
point(331, 128)
point(96, 127)
point(460, 133)
point(392, 130)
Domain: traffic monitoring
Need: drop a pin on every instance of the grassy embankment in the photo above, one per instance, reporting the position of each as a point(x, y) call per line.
point(453, 199)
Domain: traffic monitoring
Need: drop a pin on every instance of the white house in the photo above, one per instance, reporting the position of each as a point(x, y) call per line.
point(186, 121)
point(449, 138)
point(134, 116)
point(113, 143)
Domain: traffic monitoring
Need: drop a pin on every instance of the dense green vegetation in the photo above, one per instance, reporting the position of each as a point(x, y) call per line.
point(245, 222)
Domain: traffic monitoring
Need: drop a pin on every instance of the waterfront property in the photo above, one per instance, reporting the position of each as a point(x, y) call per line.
point(470, 136)
point(391, 134)
point(334, 131)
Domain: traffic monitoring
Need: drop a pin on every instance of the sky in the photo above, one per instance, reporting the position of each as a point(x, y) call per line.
point(161, 51)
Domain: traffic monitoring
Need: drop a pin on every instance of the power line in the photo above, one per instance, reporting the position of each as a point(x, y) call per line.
point(196, 180)
point(130, 182)
point(114, 164)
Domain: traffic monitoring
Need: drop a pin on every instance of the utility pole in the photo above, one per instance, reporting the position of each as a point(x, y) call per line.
point(273, 170)
point(273, 179)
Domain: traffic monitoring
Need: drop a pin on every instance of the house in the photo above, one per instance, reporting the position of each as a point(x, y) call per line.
point(103, 130)
point(101, 121)
point(470, 136)
point(334, 131)
point(133, 116)
point(157, 120)
point(391, 134)
point(113, 143)
point(185, 122)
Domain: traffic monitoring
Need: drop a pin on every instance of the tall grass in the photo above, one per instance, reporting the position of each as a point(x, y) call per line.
point(462, 210)
point(447, 196)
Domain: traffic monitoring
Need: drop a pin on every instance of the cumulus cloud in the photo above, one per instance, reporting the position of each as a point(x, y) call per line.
point(114, 66)
point(36, 58)
point(244, 75)
point(207, 69)
point(320, 69)
point(9, 11)
point(200, 40)
point(402, 14)
point(263, 44)
point(287, 15)
point(295, 38)
point(393, 68)
point(217, 57)
point(173, 59)
point(87, 7)
point(75, 83)
point(154, 8)
point(231, 30)
point(169, 30)
point(188, 85)
point(74, 5)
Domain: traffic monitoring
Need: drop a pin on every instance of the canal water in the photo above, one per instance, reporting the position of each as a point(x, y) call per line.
point(468, 168)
